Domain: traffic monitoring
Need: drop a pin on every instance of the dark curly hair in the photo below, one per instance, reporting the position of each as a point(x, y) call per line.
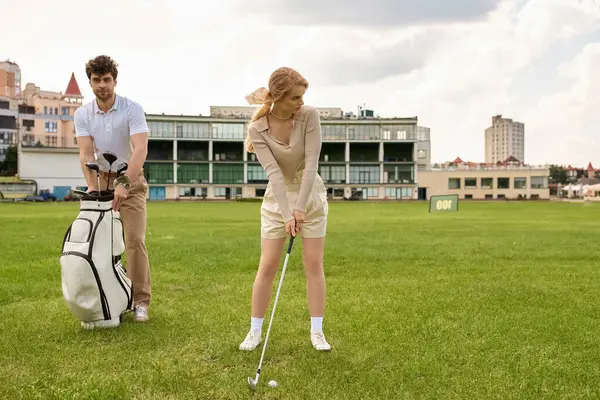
point(101, 65)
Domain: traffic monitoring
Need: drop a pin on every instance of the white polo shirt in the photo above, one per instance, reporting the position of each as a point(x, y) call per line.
point(111, 131)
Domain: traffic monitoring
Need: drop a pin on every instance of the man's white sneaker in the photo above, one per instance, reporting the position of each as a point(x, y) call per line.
point(318, 341)
point(141, 313)
point(252, 341)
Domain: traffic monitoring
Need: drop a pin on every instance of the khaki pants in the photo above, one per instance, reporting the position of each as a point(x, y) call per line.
point(133, 214)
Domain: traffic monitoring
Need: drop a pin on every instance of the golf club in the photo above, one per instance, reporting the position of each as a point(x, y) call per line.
point(94, 166)
point(253, 382)
point(122, 168)
point(80, 192)
point(110, 158)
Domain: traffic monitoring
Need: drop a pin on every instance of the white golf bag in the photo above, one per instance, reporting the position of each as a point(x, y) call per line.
point(95, 285)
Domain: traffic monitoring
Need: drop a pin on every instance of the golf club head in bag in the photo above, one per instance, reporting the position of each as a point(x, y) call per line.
point(110, 158)
point(95, 167)
point(122, 168)
point(253, 382)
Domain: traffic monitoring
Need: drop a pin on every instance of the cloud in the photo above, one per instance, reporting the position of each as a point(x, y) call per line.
point(363, 57)
point(373, 13)
point(569, 118)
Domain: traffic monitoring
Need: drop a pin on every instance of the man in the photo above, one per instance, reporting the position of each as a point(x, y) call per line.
point(116, 124)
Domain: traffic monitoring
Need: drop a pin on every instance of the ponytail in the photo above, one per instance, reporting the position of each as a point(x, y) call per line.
point(264, 110)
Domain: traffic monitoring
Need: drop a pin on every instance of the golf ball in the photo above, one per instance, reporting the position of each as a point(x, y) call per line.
point(272, 384)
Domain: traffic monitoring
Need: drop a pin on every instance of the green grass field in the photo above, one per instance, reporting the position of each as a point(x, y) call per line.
point(500, 300)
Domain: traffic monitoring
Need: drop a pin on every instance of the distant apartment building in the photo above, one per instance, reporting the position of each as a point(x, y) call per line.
point(505, 138)
point(361, 157)
point(10, 79)
point(509, 179)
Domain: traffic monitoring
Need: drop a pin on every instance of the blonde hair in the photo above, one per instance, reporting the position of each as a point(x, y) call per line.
point(282, 80)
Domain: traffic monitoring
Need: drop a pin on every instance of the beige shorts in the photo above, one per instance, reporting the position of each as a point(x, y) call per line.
point(315, 219)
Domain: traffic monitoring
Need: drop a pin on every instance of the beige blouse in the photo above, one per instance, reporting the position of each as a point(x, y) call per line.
point(281, 161)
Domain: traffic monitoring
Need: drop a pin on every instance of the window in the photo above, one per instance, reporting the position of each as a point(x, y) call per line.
point(364, 132)
point(192, 173)
point(398, 132)
point(365, 193)
point(192, 130)
point(520, 183)
point(468, 196)
point(228, 131)
point(65, 110)
point(256, 174)
point(539, 182)
point(159, 172)
point(453, 183)
point(51, 141)
point(364, 174)
point(228, 173)
point(51, 126)
point(398, 193)
point(503, 183)
point(487, 183)
point(393, 173)
point(333, 173)
point(335, 132)
point(161, 129)
point(192, 192)
point(470, 183)
point(422, 154)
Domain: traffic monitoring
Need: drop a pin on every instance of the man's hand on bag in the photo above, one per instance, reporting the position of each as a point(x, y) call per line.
point(120, 195)
point(299, 217)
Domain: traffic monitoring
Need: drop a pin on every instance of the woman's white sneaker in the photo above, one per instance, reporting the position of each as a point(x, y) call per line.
point(252, 341)
point(318, 341)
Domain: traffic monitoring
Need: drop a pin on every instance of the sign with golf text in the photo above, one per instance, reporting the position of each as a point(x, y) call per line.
point(443, 203)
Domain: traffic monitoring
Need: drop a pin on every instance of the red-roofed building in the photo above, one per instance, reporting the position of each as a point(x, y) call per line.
point(54, 111)
point(73, 88)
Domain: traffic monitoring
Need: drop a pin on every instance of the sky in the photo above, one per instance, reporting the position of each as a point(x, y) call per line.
point(453, 64)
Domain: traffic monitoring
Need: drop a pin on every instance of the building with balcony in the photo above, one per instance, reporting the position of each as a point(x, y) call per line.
point(361, 157)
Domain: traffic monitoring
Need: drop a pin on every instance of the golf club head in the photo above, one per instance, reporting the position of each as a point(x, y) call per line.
point(109, 157)
point(122, 168)
point(252, 383)
point(93, 165)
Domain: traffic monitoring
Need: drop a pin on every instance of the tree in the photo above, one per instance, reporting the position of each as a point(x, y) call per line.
point(10, 164)
point(558, 174)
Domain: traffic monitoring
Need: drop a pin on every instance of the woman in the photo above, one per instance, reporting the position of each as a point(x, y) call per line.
point(286, 137)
